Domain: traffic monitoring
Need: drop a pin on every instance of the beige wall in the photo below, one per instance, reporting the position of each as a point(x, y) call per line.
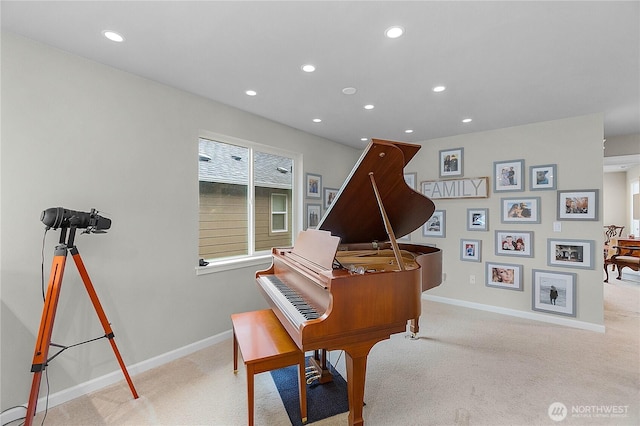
point(614, 199)
point(81, 135)
point(575, 145)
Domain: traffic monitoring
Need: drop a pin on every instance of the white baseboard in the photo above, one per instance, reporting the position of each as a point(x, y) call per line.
point(520, 314)
point(114, 377)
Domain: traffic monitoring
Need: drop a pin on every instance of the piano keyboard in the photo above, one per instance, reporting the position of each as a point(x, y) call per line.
point(290, 302)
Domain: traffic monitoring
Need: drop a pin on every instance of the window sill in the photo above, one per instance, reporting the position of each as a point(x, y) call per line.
point(230, 264)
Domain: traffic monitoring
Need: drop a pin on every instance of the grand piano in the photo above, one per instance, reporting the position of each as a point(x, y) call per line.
point(349, 284)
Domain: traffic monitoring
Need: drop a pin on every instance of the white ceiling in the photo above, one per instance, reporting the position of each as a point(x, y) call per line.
point(503, 63)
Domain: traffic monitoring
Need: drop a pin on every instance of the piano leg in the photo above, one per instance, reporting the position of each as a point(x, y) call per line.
point(414, 328)
point(356, 362)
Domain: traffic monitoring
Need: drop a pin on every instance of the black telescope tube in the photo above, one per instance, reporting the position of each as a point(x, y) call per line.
point(59, 217)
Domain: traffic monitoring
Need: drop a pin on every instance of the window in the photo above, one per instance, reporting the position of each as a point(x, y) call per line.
point(279, 213)
point(245, 198)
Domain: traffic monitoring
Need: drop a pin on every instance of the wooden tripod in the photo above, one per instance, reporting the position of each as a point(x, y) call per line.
point(43, 342)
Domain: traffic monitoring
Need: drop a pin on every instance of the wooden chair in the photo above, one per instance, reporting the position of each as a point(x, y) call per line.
point(611, 232)
point(627, 255)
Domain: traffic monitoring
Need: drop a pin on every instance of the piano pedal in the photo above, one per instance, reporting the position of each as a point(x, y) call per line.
point(313, 378)
point(312, 374)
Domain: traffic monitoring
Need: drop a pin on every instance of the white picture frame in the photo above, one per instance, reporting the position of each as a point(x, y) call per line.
point(570, 253)
point(436, 225)
point(579, 204)
point(313, 185)
point(543, 178)
point(514, 243)
point(451, 162)
point(411, 178)
point(520, 210)
point(313, 215)
point(329, 195)
point(508, 176)
point(470, 250)
point(545, 283)
point(504, 275)
point(477, 219)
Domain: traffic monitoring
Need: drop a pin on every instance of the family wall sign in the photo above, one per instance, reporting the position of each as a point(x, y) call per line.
point(456, 188)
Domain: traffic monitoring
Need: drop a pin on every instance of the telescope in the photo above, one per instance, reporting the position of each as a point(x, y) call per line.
point(68, 221)
point(59, 217)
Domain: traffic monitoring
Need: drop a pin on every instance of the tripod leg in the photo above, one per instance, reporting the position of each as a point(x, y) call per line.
point(101, 315)
point(43, 342)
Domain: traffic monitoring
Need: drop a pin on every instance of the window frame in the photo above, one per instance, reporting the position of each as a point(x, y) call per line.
point(284, 213)
point(253, 258)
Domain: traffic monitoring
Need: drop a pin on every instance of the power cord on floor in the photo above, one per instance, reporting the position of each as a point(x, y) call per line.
point(11, 408)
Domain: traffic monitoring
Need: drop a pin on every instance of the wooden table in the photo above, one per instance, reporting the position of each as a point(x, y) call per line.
point(265, 345)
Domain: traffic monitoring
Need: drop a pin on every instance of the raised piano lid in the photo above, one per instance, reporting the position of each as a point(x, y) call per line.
point(354, 215)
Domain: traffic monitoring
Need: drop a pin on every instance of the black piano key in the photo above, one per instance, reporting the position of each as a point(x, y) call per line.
point(292, 296)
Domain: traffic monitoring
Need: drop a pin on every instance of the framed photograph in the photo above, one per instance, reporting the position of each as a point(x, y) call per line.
point(514, 243)
point(504, 275)
point(543, 177)
point(411, 179)
point(313, 185)
point(329, 196)
point(314, 213)
point(470, 250)
point(477, 219)
point(436, 225)
point(451, 162)
point(554, 292)
point(521, 210)
point(571, 253)
point(508, 176)
point(578, 205)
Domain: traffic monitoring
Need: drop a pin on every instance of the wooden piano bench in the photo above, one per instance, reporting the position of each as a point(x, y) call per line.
point(265, 345)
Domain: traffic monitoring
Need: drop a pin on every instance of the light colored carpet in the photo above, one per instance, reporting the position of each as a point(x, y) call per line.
point(469, 367)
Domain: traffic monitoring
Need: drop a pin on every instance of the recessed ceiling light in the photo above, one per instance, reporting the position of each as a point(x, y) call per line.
point(308, 68)
point(467, 120)
point(349, 90)
point(317, 120)
point(113, 36)
point(394, 32)
point(251, 92)
point(408, 131)
point(438, 89)
point(369, 106)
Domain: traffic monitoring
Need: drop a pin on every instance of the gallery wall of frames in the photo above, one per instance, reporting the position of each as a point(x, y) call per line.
point(553, 291)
